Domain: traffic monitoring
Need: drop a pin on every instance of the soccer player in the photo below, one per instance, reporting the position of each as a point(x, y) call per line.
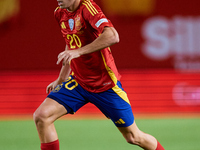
point(88, 74)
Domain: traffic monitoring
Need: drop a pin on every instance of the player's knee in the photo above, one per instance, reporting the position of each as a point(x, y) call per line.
point(134, 139)
point(40, 117)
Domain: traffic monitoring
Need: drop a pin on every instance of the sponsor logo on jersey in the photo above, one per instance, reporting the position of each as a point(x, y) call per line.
point(63, 25)
point(78, 24)
point(71, 24)
point(100, 22)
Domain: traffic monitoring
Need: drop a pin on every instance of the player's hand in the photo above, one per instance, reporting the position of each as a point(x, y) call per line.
point(51, 86)
point(67, 55)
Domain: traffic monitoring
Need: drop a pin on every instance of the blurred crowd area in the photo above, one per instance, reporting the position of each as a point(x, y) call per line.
point(153, 34)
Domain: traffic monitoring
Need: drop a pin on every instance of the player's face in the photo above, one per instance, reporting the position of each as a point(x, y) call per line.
point(65, 4)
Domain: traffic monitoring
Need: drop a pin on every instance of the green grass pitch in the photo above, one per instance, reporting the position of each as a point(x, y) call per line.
point(174, 134)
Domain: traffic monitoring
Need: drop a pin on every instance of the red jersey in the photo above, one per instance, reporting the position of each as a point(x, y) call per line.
point(95, 72)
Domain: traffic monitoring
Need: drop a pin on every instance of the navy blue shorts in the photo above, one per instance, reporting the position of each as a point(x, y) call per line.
point(113, 103)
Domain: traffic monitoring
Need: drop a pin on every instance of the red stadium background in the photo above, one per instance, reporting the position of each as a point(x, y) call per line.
point(158, 54)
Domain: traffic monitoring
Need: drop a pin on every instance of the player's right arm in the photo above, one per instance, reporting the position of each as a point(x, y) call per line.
point(64, 74)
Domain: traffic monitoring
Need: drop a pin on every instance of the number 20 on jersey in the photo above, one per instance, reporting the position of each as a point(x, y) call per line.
point(74, 41)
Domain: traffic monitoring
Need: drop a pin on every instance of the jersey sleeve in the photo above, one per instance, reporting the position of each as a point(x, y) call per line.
point(94, 15)
point(57, 14)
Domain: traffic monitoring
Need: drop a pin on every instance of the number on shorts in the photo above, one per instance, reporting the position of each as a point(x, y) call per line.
point(67, 85)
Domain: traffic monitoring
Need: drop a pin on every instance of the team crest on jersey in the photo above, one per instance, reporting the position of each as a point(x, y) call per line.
point(78, 24)
point(71, 24)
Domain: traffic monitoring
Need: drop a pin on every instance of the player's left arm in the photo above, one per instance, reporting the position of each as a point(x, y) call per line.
point(108, 37)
